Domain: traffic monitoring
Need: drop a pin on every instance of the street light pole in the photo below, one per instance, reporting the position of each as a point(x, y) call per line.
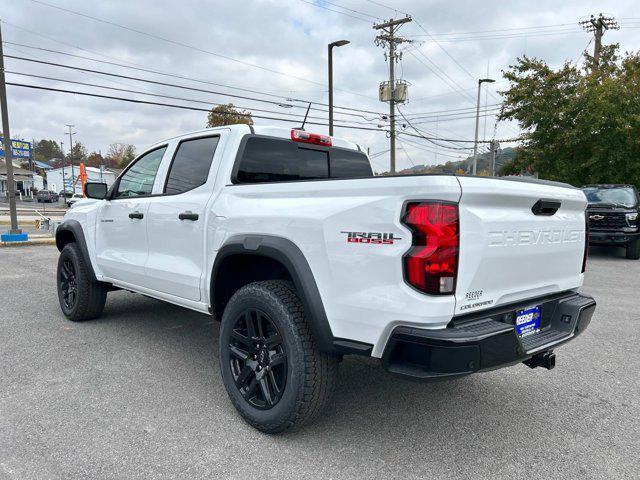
point(475, 142)
point(339, 43)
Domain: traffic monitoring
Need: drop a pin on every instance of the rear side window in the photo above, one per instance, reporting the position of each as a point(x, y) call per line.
point(349, 164)
point(279, 160)
point(273, 160)
point(191, 164)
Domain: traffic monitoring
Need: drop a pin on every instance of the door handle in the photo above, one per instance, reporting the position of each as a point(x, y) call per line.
point(188, 216)
point(136, 215)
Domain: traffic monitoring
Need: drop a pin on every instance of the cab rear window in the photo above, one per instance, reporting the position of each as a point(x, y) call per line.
point(265, 159)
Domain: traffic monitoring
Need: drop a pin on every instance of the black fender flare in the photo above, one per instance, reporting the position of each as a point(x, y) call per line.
point(288, 254)
point(74, 227)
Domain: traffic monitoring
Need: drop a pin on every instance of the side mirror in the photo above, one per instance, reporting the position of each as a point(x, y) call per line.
point(95, 190)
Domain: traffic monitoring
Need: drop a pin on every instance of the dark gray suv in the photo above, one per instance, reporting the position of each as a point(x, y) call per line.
point(612, 213)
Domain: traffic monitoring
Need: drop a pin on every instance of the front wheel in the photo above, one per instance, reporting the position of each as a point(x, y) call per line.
point(633, 250)
point(80, 297)
point(271, 367)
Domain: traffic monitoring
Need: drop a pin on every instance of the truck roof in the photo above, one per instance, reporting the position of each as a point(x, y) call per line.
point(268, 130)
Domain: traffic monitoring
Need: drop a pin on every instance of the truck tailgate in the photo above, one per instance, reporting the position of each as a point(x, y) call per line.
point(508, 253)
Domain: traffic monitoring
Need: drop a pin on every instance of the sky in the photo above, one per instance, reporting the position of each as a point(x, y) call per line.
point(275, 53)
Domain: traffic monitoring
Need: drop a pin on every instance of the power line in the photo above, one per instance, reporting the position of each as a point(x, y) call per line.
point(509, 140)
point(169, 97)
point(431, 140)
point(153, 82)
point(506, 37)
point(338, 11)
point(157, 72)
point(459, 156)
point(497, 30)
point(452, 119)
point(173, 42)
point(444, 77)
point(183, 107)
point(436, 112)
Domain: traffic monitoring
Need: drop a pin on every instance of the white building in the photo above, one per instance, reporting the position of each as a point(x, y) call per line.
point(55, 181)
point(23, 181)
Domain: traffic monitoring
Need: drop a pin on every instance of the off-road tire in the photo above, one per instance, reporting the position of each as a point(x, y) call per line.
point(90, 295)
point(310, 374)
point(633, 250)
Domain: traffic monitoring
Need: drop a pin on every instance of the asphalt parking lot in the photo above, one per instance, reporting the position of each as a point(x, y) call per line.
point(138, 394)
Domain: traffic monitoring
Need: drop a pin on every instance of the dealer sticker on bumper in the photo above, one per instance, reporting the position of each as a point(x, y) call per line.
point(528, 321)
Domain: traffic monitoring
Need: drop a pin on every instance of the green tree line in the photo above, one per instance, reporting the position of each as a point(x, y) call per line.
point(582, 122)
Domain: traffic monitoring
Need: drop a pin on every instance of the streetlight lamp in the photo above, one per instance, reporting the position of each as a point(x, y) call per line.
point(339, 43)
point(475, 143)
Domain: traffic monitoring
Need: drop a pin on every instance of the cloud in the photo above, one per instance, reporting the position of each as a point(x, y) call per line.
point(289, 37)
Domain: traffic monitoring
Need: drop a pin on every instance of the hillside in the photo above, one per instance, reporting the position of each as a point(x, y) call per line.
point(484, 164)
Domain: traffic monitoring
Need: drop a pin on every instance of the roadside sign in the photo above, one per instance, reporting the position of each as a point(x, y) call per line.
point(19, 149)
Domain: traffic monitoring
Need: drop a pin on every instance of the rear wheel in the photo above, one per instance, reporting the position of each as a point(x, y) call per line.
point(633, 250)
point(80, 297)
point(272, 370)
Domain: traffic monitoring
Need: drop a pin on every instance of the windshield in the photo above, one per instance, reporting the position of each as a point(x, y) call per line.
point(621, 196)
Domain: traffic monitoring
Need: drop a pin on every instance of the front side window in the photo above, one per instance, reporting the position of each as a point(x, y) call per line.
point(138, 179)
point(191, 164)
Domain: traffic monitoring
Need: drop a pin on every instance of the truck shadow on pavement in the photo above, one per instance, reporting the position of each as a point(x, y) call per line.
point(370, 405)
point(607, 252)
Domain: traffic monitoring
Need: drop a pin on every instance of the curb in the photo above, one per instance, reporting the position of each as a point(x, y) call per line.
point(29, 243)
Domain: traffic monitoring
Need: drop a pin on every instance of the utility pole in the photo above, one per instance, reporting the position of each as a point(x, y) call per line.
point(64, 184)
point(11, 192)
point(475, 143)
point(73, 179)
point(598, 27)
point(495, 146)
point(389, 39)
point(101, 164)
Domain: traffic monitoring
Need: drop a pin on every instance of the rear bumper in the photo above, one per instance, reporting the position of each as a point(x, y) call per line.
point(486, 340)
point(612, 238)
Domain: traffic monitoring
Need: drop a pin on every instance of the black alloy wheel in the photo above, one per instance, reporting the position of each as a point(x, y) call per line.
point(68, 284)
point(258, 359)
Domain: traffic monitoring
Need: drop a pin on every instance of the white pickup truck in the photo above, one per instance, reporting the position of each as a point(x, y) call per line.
point(288, 239)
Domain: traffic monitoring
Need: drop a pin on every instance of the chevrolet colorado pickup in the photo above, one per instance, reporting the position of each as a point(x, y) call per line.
point(613, 217)
point(288, 239)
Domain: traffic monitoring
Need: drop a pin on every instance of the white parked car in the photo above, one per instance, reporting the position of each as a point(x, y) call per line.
point(288, 240)
point(74, 198)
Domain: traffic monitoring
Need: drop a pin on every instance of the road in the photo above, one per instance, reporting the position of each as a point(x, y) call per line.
point(137, 394)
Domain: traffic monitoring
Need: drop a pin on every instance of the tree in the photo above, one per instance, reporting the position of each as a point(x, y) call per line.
point(94, 159)
point(78, 154)
point(120, 155)
point(228, 115)
point(583, 124)
point(45, 150)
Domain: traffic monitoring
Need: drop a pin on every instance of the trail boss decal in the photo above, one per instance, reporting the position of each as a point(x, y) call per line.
point(376, 238)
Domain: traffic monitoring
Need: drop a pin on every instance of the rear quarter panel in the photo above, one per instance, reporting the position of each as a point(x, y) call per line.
point(361, 284)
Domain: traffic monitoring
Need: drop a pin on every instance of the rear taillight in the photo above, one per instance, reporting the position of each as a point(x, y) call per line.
point(586, 242)
point(314, 138)
point(431, 265)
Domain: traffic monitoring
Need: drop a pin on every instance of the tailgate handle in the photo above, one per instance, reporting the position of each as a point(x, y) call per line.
point(546, 207)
